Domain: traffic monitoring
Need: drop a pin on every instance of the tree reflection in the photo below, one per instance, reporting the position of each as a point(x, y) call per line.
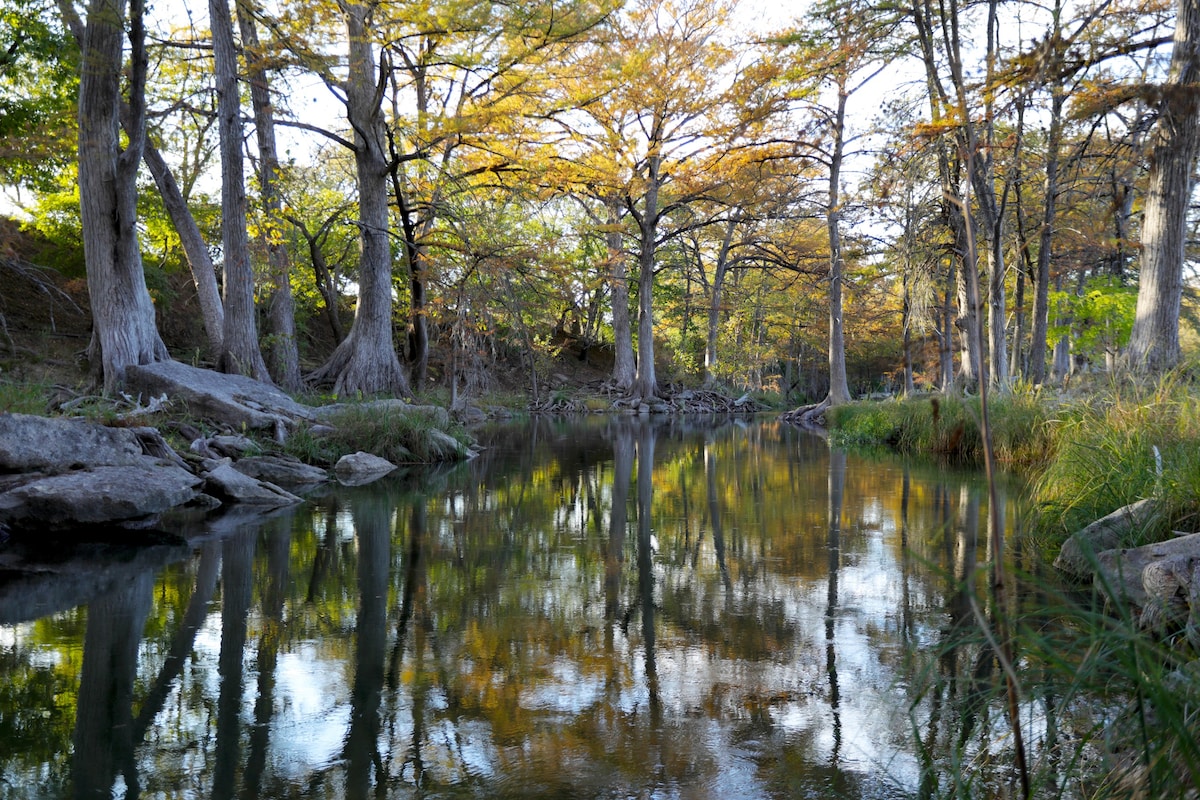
point(645, 562)
point(504, 631)
point(837, 487)
point(278, 534)
point(372, 531)
point(237, 573)
point(103, 740)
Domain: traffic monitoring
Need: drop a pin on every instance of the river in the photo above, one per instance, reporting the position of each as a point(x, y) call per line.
point(595, 608)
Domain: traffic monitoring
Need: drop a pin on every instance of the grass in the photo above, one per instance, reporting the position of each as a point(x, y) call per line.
point(948, 427)
point(1119, 443)
point(410, 436)
point(23, 397)
point(1111, 711)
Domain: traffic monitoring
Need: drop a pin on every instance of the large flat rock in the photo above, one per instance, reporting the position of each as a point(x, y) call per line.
point(98, 495)
point(52, 444)
point(233, 399)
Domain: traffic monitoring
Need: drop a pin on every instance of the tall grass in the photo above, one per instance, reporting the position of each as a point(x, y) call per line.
point(948, 427)
point(1110, 711)
point(415, 435)
point(1127, 444)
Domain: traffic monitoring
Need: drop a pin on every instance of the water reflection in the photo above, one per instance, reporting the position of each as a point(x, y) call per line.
point(615, 607)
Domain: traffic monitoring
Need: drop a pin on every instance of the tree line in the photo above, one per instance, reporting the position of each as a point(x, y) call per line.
point(831, 203)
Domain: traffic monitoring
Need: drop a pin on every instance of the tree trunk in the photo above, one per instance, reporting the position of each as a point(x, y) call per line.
point(195, 249)
point(1041, 294)
point(123, 331)
point(1154, 343)
point(714, 305)
point(366, 360)
point(645, 385)
point(283, 357)
point(624, 362)
point(839, 391)
point(239, 344)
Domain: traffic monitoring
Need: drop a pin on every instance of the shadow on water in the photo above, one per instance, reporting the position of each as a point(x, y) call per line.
point(608, 607)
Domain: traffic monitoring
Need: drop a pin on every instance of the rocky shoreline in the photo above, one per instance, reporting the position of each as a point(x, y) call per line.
point(59, 473)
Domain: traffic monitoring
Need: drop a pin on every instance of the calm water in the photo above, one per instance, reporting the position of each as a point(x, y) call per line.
point(594, 609)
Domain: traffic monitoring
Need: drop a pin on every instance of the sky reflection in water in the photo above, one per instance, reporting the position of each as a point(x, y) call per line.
point(507, 629)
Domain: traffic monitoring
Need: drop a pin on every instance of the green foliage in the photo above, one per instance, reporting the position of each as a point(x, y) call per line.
point(1099, 320)
point(948, 427)
point(414, 435)
point(38, 84)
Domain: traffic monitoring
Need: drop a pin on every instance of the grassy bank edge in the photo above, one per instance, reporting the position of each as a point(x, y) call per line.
point(1085, 454)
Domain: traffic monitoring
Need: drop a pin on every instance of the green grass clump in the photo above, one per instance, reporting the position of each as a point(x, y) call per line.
point(23, 397)
point(414, 435)
point(948, 427)
point(1106, 458)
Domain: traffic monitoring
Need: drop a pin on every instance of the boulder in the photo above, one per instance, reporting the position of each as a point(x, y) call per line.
point(359, 468)
point(231, 399)
point(281, 471)
point(45, 444)
point(226, 482)
point(441, 446)
point(1078, 555)
point(100, 494)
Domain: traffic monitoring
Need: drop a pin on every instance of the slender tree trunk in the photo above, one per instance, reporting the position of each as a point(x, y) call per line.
point(1041, 294)
point(195, 249)
point(624, 361)
point(715, 301)
point(123, 331)
point(1154, 343)
point(645, 385)
point(992, 211)
point(946, 339)
point(239, 344)
point(839, 391)
point(283, 357)
point(366, 360)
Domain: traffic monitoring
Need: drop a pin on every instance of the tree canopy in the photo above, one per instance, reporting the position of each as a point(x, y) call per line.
point(817, 207)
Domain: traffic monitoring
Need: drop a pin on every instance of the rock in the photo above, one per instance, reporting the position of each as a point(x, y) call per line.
point(1078, 555)
point(438, 416)
point(359, 468)
point(29, 443)
point(231, 399)
point(100, 494)
point(227, 482)
point(281, 471)
point(469, 415)
point(233, 446)
point(442, 446)
point(386, 405)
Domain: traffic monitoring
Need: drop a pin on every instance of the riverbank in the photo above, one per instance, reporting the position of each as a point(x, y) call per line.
point(1123, 461)
point(1088, 454)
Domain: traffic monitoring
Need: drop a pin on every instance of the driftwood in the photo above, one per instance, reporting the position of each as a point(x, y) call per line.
point(809, 416)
